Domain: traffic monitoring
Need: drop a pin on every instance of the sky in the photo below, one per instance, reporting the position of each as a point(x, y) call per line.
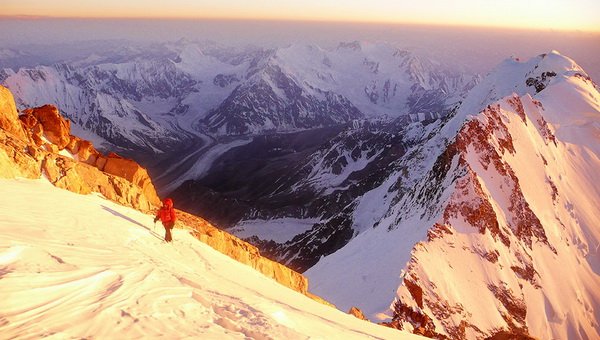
point(571, 15)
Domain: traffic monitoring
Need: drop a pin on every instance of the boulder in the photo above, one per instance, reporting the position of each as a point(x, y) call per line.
point(73, 145)
point(37, 153)
point(61, 171)
point(86, 152)
point(51, 147)
point(126, 168)
point(28, 120)
point(32, 128)
point(7, 169)
point(56, 128)
point(8, 114)
point(36, 134)
point(101, 163)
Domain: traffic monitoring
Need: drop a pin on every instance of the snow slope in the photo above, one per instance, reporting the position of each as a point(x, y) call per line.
point(81, 266)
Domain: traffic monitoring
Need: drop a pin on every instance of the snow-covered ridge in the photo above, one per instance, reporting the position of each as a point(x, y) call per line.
point(505, 205)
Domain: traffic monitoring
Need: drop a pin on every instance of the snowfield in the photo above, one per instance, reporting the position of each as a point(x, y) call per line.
point(81, 266)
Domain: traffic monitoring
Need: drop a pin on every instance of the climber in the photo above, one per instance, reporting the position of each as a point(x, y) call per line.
point(166, 214)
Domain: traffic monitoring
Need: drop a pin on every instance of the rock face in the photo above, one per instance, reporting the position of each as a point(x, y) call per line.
point(8, 114)
point(39, 143)
point(275, 100)
point(55, 127)
point(130, 170)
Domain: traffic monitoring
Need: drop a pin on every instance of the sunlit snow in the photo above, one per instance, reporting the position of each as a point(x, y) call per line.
point(75, 266)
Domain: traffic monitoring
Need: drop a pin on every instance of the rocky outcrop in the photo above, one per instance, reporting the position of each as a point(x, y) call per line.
point(39, 143)
point(55, 128)
point(356, 312)
point(17, 159)
point(130, 170)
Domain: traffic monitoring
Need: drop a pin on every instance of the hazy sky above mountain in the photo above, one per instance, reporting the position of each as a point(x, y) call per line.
point(536, 14)
point(475, 49)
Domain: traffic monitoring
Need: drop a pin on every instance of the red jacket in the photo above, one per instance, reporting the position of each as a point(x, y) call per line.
point(166, 214)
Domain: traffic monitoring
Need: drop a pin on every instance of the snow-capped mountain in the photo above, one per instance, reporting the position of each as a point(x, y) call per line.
point(80, 266)
point(306, 86)
point(491, 228)
point(156, 97)
point(411, 185)
point(106, 101)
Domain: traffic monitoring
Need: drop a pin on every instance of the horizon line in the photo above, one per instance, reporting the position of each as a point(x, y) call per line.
point(304, 21)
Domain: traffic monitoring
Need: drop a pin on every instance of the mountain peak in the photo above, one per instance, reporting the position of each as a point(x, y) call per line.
point(500, 200)
point(352, 45)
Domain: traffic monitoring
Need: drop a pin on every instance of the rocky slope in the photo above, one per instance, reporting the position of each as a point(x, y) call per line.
point(38, 143)
point(501, 200)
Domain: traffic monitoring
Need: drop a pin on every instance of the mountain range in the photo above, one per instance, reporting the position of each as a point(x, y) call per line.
point(153, 98)
point(393, 183)
point(413, 217)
